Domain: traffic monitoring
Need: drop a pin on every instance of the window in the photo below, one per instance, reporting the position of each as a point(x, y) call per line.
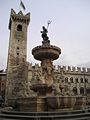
point(71, 79)
point(75, 91)
point(81, 80)
point(17, 48)
point(17, 53)
point(86, 80)
point(2, 84)
point(19, 28)
point(56, 76)
point(66, 80)
point(88, 90)
point(82, 91)
point(76, 80)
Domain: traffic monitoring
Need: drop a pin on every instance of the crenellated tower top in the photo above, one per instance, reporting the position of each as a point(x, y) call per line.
point(19, 17)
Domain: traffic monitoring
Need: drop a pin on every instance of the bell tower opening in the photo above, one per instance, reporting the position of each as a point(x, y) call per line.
point(19, 27)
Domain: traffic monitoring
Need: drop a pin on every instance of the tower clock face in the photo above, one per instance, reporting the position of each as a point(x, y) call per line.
point(19, 35)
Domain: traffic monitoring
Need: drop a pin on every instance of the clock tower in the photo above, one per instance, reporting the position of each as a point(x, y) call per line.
point(18, 37)
point(17, 54)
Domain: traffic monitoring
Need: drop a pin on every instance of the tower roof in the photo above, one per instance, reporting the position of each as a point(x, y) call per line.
point(20, 17)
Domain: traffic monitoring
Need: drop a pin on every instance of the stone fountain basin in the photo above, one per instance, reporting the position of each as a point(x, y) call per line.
point(66, 103)
point(50, 103)
point(46, 52)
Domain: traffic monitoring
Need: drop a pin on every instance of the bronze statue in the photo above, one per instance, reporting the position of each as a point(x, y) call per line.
point(44, 34)
point(45, 31)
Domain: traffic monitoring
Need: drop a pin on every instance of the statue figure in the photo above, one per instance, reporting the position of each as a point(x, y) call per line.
point(49, 70)
point(56, 89)
point(26, 91)
point(29, 91)
point(66, 91)
point(44, 34)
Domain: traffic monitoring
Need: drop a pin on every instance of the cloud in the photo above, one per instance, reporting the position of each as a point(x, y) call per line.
point(85, 64)
point(63, 61)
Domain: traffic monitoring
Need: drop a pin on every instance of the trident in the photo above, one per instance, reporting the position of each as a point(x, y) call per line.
point(48, 23)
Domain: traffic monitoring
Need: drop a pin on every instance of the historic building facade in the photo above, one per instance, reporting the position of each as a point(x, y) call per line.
point(2, 83)
point(71, 80)
point(76, 79)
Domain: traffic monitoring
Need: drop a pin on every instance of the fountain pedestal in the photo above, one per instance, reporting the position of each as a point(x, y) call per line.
point(46, 54)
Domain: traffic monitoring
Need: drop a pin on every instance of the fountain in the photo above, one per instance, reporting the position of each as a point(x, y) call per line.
point(46, 53)
point(46, 99)
point(49, 95)
point(38, 100)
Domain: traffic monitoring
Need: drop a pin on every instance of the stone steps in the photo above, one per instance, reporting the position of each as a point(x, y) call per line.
point(45, 117)
point(74, 115)
point(44, 113)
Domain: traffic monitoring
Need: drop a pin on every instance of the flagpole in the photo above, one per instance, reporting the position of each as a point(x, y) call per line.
point(20, 5)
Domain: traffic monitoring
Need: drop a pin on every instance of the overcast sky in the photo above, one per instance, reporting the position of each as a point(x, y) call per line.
point(69, 30)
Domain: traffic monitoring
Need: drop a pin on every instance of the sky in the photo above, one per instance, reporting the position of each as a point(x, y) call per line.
point(69, 29)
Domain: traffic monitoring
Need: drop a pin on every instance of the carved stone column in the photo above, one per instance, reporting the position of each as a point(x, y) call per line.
point(47, 71)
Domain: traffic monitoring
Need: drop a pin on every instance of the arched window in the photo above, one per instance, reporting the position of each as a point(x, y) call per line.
point(71, 79)
point(75, 91)
point(88, 90)
point(17, 48)
point(81, 80)
point(66, 80)
point(19, 27)
point(86, 80)
point(76, 80)
point(82, 91)
point(2, 84)
point(17, 53)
